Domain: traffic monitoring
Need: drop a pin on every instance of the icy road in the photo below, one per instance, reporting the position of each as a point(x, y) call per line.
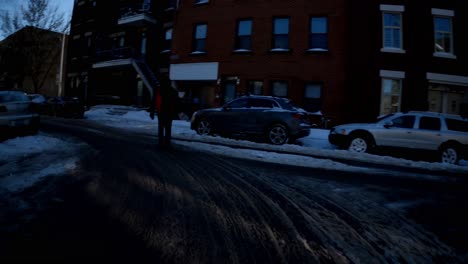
point(128, 200)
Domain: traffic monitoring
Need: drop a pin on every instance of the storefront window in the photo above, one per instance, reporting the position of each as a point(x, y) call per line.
point(280, 88)
point(391, 96)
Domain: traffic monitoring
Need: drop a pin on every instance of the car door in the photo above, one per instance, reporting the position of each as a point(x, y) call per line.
point(399, 134)
point(428, 134)
point(229, 119)
point(259, 114)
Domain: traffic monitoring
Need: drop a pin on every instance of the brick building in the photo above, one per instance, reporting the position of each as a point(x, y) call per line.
point(295, 49)
point(407, 55)
point(32, 60)
point(349, 60)
point(115, 50)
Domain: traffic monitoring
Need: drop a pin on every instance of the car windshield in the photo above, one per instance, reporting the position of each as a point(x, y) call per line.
point(13, 97)
point(289, 105)
point(238, 103)
point(382, 117)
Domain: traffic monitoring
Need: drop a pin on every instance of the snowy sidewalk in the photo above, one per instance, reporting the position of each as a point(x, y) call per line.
point(27, 160)
point(316, 145)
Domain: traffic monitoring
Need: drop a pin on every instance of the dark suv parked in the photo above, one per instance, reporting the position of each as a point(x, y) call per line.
point(277, 120)
point(65, 107)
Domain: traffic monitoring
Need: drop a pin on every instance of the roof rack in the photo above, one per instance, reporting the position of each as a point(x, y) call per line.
point(434, 113)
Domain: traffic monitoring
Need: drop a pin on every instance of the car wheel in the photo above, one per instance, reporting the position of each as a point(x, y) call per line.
point(449, 154)
point(359, 144)
point(277, 134)
point(204, 127)
point(33, 128)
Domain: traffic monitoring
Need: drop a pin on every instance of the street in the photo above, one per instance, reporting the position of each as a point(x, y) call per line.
point(129, 200)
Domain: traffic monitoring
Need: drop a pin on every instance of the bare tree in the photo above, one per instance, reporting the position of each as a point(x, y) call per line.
point(34, 48)
point(36, 13)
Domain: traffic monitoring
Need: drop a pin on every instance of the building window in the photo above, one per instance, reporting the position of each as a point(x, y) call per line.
point(279, 88)
point(230, 89)
point(89, 41)
point(280, 34)
point(313, 97)
point(86, 45)
point(255, 87)
point(391, 96)
point(146, 5)
point(443, 34)
point(244, 35)
point(318, 35)
point(448, 99)
point(392, 30)
point(167, 39)
point(199, 42)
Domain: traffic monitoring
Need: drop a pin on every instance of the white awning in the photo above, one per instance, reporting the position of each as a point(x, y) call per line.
point(207, 71)
point(447, 79)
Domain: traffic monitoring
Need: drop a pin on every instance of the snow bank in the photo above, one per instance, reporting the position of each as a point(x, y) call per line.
point(315, 144)
point(25, 161)
point(22, 146)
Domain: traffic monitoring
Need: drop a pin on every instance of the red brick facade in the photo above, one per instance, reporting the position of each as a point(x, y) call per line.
point(355, 78)
point(297, 67)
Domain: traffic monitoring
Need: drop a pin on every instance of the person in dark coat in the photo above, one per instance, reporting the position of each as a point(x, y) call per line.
point(165, 104)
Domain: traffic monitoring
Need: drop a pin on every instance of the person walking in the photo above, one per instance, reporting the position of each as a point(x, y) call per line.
point(165, 102)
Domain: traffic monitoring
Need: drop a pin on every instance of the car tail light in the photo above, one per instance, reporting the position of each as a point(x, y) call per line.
point(3, 109)
point(297, 116)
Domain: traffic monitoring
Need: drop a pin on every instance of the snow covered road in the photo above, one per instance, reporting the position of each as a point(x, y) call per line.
point(191, 206)
point(187, 205)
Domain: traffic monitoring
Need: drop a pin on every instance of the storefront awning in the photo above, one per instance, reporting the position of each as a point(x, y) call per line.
point(447, 79)
point(194, 71)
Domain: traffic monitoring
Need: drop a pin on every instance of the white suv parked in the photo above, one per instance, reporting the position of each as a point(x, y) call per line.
point(447, 134)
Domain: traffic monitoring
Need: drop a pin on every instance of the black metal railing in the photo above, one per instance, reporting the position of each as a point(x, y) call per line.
point(115, 54)
point(135, 9)
point(147, 73)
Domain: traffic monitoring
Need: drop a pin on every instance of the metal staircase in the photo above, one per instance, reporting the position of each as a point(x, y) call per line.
point(127, 56)
point(147, 76)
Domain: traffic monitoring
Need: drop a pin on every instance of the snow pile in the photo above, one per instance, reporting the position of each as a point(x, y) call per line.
point(24, 146)
point(132, 118)
point(117, 114)
point(316, 144)
point(25, 161)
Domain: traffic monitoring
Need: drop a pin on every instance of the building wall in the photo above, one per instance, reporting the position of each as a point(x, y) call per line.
point(367, 60)
point(297, 66)
point(96, 33)
point(349, 72)
point(32, 53)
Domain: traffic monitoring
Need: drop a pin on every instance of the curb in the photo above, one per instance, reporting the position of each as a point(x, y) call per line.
point(399, 168)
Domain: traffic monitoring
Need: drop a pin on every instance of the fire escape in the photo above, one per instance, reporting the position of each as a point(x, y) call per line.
point(136, 16)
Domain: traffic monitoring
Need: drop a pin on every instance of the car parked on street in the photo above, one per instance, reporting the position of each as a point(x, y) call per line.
point(61, 106)
point(276, 120)
point(38, 103)
point(16, 117)
point(446, 134)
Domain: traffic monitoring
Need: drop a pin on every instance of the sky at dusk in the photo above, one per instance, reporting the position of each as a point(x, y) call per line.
point(65, 6)
point(11, 6)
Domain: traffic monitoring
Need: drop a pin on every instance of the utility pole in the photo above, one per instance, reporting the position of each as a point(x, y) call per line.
point(62, 57)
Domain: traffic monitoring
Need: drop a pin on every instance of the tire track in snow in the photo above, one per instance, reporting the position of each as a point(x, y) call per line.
point(196, 208)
